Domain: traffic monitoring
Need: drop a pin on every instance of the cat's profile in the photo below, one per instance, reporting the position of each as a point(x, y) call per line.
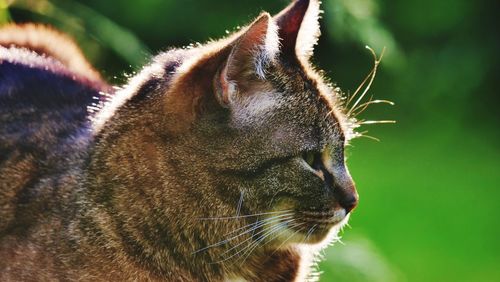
point(216, 163)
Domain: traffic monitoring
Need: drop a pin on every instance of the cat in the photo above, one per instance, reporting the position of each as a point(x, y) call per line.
point(222, 162)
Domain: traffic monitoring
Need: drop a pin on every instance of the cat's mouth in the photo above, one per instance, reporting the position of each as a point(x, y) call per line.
point(321, 218)
point(316, 225)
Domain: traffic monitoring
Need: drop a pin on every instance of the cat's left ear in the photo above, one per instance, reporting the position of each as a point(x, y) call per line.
point(252, 52)
point(298, 28)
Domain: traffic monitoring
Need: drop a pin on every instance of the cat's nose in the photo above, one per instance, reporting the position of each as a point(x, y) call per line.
point(347, 199)
point(343, 187)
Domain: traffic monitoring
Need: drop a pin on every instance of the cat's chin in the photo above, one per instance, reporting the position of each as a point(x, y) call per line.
point(311, 229)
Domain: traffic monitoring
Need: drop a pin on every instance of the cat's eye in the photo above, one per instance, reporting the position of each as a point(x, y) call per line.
point(312, 158)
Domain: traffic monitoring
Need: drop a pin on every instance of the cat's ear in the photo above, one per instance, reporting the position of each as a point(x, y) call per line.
point(252, 52)
point(298, 28)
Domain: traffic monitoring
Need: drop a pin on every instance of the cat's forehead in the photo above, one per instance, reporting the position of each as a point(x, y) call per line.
point(312, 102)
point(293, 113)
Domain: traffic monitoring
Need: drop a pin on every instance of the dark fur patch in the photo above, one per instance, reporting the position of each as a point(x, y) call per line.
point(43, 117)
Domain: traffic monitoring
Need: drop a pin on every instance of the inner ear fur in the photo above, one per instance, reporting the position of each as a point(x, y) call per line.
point(253, 51)
point(218, 74)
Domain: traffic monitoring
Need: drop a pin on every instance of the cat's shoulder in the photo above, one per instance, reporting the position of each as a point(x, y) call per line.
point(46, 87)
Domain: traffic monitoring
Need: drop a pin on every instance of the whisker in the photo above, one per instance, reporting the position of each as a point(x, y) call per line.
point(371, 75)
point(311, 230)
point(261, 239)
point(262, 231)
point(260, 221)
point(289, 237)
point(376, 121)
point(359, 88)
point(378, 101)
point(328, 114)
point(241, 216)
point(240, 203)
point(365, 105)
point(369, 137)
point(257, 225)
point(347, 98)
point(238, 252)
point(272, 199)
point(254, 229)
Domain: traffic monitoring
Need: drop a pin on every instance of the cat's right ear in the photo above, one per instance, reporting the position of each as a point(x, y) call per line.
point(255, 49)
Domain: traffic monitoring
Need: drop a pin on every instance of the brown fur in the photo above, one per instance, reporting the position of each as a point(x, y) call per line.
point(175, 170)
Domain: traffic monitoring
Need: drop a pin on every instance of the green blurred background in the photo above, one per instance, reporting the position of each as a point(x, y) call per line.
point(430, 188)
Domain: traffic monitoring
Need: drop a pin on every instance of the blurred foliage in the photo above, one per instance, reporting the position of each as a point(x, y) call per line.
point(429, 189)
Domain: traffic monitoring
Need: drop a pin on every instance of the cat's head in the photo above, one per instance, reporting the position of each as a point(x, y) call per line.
point(252, 128)
point(281, 142)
